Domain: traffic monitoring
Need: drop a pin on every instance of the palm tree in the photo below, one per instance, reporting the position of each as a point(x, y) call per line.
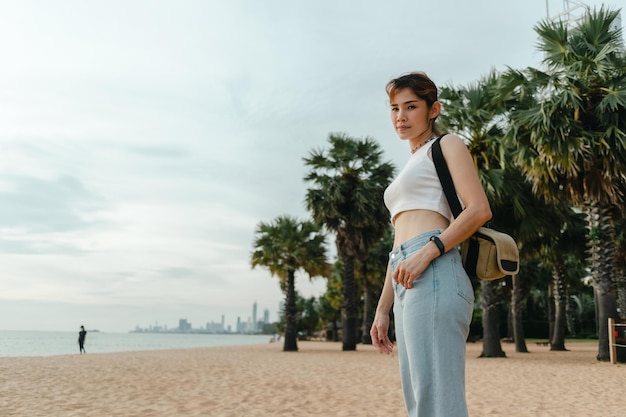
point(475, 114)
point(285, 246)
point(570, 131)
point(563, 233)
point(346, 197)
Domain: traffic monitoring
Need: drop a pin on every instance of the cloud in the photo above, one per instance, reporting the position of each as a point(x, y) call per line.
point(37, 205)
point(39, 247)
point(177, 272)
point(160, 152)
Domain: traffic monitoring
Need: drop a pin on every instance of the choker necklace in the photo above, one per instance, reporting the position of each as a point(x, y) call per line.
point(422, 144)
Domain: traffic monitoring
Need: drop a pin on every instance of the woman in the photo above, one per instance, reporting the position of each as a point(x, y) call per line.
point(431, 294)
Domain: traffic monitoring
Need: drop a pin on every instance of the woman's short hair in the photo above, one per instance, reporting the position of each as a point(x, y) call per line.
point(418, 82)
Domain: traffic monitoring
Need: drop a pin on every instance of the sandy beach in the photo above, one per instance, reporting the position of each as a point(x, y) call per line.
point(319, 380)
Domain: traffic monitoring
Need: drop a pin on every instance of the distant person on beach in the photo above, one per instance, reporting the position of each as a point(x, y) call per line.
point(431, 295)
point(82, 335)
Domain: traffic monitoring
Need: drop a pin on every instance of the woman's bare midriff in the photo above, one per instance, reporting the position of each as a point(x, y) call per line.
point(411, 223)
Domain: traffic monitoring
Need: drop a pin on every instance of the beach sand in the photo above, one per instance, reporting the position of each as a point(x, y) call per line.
point(318, 380)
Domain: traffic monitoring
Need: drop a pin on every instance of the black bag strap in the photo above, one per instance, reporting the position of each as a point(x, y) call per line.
point(445, 178)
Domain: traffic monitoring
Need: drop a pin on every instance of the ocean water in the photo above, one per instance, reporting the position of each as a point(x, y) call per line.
point(39, 343)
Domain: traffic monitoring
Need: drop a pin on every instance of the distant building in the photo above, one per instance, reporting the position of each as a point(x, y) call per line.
point(212, 327)
point(184, 325)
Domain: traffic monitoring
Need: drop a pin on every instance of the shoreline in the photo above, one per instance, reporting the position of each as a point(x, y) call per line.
point(318, 380)
point(44, 344)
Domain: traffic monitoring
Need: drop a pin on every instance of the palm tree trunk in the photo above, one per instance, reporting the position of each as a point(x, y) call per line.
point(492, 347)
point(620, 280)
point(607, 308)
point(602, 250)
point(557, 337)
point(291, 337)
point(368, 310)
point(550, 311)
point(569, 314)
point(349, 309)
point(510, 332)
point(368, 306)
point(517, 298)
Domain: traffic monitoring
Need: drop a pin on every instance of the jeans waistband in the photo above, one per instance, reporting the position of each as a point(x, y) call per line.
point(413, 244)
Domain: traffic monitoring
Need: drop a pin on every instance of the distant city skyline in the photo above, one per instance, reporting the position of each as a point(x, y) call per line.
point(222, 325)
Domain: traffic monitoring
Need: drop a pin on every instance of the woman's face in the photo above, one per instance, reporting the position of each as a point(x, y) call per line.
point(410, 115)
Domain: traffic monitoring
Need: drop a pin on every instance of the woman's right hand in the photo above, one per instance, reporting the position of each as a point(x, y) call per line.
point(379, 334)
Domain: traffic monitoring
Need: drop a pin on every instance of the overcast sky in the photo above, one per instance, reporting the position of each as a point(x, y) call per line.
point(142, 141)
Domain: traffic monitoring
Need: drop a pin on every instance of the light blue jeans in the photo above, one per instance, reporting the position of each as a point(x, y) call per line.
point(432, 323)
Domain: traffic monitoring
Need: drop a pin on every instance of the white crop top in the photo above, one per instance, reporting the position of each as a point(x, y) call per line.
point(417, 186)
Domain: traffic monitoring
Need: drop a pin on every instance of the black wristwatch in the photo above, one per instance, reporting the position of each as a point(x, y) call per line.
point(439, 243)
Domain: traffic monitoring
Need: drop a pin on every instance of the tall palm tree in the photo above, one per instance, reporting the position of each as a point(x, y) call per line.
point(563, 232)
point(285, 246)
point(475, 113)
point(570, 131)
point(346, 197)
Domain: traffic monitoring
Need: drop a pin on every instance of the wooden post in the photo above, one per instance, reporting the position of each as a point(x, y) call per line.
point(612, 343)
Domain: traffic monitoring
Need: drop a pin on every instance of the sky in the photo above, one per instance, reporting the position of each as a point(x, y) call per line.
point(141, 142)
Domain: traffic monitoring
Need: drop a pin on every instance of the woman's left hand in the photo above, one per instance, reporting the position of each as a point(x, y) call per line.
point(411, 268)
